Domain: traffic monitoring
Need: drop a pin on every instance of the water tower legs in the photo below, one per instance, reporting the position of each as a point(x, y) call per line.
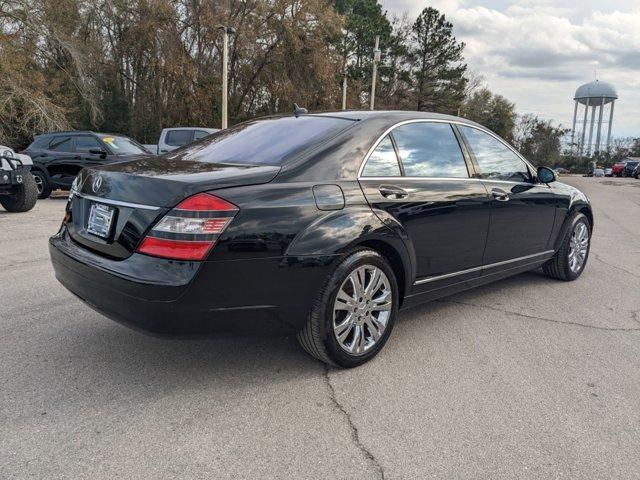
point(613, 102)
point(584, 128)
point(597, 148)
point(573, 130)
point(593, 121)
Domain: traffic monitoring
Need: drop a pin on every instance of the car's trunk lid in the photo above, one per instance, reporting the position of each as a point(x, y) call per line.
point(114, 205)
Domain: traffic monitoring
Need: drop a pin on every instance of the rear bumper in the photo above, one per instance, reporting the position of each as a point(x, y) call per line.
point(170, 297)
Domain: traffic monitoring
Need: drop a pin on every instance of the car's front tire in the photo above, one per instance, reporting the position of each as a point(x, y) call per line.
point(571, 258)
point(23, 198)
point(354, 312)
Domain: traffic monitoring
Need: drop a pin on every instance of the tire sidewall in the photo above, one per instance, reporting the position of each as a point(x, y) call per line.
point(357, 259)
point(579, 218)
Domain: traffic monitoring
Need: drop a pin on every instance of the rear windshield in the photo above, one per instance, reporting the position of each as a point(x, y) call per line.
point(269, 141)
point(122, 145)
point(40, 141)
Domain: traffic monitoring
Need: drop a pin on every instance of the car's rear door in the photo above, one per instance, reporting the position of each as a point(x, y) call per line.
point(419, 175)
point(175, 139)
point(523, 210)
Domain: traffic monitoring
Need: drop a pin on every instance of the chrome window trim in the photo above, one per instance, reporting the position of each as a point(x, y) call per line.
point(449, 179)
point(119, 203)
point(482, 267)
point(450, 122)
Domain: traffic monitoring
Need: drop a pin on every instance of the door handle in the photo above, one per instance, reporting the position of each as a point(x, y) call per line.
point(392, 192)
point(500, 195)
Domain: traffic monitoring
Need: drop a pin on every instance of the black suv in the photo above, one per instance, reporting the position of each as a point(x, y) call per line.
point(58, 157)
point(629, 168)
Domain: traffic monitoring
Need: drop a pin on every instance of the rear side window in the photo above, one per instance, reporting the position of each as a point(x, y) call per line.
point(178, 138)
point(60, 144)
point(429, 149)
point(270, 141)
point(40, 142)
point(85, 143)
point(383, 162)
point(198, 134)
point(495, 159)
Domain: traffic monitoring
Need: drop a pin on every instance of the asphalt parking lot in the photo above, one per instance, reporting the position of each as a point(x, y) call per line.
point(525, 378)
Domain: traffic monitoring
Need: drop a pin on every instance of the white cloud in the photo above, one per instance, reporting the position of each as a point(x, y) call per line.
point(537, 53)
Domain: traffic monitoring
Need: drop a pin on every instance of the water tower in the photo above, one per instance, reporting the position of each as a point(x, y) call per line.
point(595, 95)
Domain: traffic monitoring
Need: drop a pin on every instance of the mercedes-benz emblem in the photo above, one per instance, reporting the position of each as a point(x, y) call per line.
point(97, 183)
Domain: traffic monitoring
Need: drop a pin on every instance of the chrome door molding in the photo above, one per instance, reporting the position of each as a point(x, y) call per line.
point(422, 281)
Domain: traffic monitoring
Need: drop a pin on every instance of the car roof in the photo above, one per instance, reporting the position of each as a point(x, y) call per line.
point(393, 115)
point(80, 132)
point(207, 129)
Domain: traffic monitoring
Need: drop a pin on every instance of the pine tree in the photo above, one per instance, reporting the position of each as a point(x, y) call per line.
point(438, 66)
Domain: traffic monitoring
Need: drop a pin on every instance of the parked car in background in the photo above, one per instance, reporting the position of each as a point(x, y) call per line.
point(172, 138)
point(58, 157)
point(636, 172)
point(18, 192)
point(340, 218)
point(630, 167)
point(562, 171)
point(598, 172)
point(618, 167)
point(607, 172)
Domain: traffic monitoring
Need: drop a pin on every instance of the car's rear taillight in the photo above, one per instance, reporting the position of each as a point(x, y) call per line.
point(190, 230)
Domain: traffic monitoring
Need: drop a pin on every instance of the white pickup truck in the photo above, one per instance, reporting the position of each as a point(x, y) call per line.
point(172, 138)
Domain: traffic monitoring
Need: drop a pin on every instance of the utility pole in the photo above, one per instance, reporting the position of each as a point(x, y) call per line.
point(376, 59)
point(226, 31)
point(344, 87)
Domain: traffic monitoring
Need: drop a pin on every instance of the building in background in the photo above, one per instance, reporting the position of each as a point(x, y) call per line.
point(596, 97)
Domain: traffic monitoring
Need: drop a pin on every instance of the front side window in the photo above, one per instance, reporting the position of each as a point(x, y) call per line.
point(60, 144)
point(123, 145)
point(85, 143)
point(430, 149)
point(178, 138)
point(495, 159)
point(383, 162)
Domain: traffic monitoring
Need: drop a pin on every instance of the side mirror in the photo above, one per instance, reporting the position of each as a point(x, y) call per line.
point(546, 175)
point(98, 151)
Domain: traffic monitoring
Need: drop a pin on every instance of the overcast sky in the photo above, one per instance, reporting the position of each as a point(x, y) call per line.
point(536, 53)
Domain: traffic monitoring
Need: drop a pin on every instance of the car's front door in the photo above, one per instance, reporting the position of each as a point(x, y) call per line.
point(58, 157)
point(418, 174)
point(523, 210)
point(87, 147)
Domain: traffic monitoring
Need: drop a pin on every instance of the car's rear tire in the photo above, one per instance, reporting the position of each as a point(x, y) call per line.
point(354, 312)
point(42, 183)
point(571, 258)
point(23, 198)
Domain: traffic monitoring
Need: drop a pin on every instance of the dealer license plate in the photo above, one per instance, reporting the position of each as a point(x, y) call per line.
point(100, 218)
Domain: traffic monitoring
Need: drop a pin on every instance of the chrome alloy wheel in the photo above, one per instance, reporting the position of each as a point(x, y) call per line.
point(39, 185)
point(362, 309)
point(578, 247)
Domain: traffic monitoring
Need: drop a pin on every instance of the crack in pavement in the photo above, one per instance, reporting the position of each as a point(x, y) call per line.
point(355, 436)
point(544, 319)
point(597, 257)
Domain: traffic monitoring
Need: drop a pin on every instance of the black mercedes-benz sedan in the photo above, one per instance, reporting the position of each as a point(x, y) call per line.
point(324, 225)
